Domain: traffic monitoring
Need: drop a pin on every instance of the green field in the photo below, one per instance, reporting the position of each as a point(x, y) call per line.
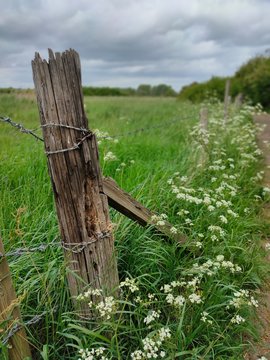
point(191, 301)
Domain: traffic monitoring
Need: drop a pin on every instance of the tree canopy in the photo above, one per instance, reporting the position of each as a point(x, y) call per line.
point(252, 79)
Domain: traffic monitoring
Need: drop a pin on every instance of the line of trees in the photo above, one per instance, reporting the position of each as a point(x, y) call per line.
point(142, 90)
point(252, 79)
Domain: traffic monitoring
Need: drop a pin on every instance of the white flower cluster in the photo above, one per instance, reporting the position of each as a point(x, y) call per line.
point(266, 191)
point(216, 231)
point(87, 294)
point(104, 136)
point(205, 318)
point(237, 319)
point(109, 156)
point(210, 267)
point(93, 354)
point(159, 220)
point(152, 345)
point(200, 135)
point(151, 316)
point(105, 307)
point(213, 200)
point(130, 284)
point(242, 297)
point(178, 300)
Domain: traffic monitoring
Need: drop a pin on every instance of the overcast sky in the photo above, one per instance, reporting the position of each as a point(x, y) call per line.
point(129, 42)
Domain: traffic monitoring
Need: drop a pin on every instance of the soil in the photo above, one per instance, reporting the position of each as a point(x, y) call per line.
point(262, 348)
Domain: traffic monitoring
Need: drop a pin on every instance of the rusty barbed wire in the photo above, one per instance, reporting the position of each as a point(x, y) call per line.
point(18, 326)
point(77, 248)
point(23, 129)
point(74, 147)
point(20, 127)
point(27, 250)
point(73, 247)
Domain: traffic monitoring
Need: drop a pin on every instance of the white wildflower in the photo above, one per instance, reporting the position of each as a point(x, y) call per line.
point(205, 317)
point(237, 319)
point(130, 284)
point(220, 258)
point(109, 156)
point(195, 298)
point(173, 230)
point(223, 219)
point(151, 316)
point(160, 223)
point(106, 307)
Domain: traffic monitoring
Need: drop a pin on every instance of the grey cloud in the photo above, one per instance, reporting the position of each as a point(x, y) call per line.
point(133, 41)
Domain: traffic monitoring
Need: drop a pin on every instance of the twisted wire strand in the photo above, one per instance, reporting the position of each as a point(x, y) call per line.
point(73, 247)
point(18, 325)
point(21, 127)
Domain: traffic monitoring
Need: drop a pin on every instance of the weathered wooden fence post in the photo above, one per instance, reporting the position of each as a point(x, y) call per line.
point(19, 348)
point(73, 162)
point(227, 99)
point(238, 101)
point(204, 127)
point(204, 118)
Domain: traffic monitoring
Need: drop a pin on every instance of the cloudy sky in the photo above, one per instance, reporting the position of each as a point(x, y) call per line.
point(129, 42)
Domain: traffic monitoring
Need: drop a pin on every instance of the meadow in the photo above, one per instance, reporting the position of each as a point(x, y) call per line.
point(195, 300)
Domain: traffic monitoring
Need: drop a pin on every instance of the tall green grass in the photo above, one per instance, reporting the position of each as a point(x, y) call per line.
point(145, 162)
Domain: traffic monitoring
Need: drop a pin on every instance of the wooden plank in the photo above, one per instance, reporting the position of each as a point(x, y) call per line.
point(81, 205)
point(18, 348)
point(121, 201)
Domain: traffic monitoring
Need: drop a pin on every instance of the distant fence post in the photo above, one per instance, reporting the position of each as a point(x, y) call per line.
point(19, 348)
point(204, 118)
point(227, 99)
point(204, 127)
point(73, 162)
point(238, 101)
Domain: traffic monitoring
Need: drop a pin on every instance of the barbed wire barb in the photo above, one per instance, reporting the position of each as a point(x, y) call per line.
point(87, 132)
point(18, 326)
point(20, 127)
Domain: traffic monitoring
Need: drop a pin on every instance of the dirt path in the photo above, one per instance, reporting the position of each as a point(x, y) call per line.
point(263, 347)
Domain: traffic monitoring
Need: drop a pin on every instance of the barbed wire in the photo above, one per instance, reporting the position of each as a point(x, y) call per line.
point(74, 147)
point(23, 129)
point(76, 248)
point(18, 326)
point(27, 250)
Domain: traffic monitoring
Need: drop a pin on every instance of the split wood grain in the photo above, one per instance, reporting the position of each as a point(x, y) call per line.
point(82, 206)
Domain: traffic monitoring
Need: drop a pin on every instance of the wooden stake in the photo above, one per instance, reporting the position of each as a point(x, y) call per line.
point(227, 99)
point(19, 348)
point(238, 101)
point(204, 118)
point(82, 206)
point(125, 204)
